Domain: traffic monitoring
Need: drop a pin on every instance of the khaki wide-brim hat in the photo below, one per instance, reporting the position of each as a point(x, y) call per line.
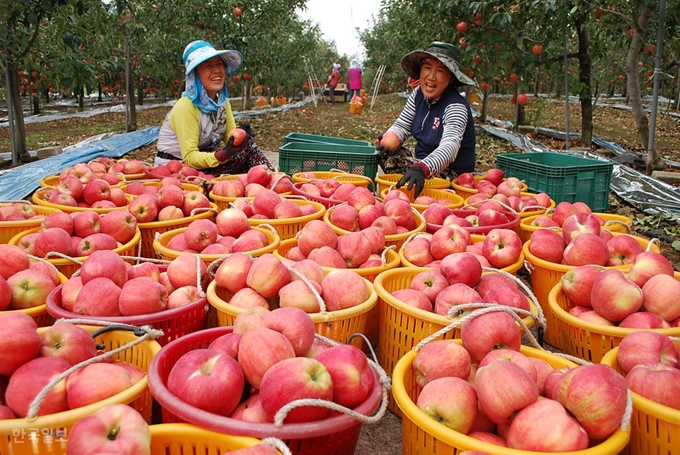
point(444, 52)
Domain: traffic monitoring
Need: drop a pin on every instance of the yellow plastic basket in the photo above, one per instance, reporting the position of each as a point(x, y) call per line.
point(38, 199)
point(337, 325)
point(9, 229)
point(545, 275)
point(475, 238)
point(392, 261)
point(403, 326)
point(161, 248)
point(149, 230)
point(188, 439)
point(613, 223)
point(39, 313)
point(32, 437)
point(587, 340)
point(289, 227)
point(68, 267)
point(654, 428)
point(385, 181)
point(223, 201)
point(454, 200)
point(423, 435)
point(50, 181)
point(466, 192)
point(394, 239)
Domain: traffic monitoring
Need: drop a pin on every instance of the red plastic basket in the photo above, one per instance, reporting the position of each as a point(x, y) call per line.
point(174, 323)
point(337, 435)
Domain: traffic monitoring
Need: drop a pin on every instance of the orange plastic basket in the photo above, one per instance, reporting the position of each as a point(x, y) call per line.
point(466, 192)
point(392, 261)
point(188, 439)
point(337, 435)
point(38, 199)
point(161, 241)
point(337, 325)
point(385, 181)
point(289, 227)
point(654, 428)
point(340, 176)
point(39, 313)
point(545, 275)
point(394, 239)
point(423, 435)
point(50, 181)
point(9, 229)
point(613, 223)
point(453, 200)
point(149, 230)
point(68, 267)
point(403, 326)
point(475, 238)
point(47, 435)
point(223, 201)
point(587, 340)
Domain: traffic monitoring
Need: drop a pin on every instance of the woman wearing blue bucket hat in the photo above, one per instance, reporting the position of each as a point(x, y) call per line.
point(196, 130)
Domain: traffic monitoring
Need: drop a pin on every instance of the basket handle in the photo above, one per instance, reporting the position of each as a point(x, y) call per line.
point(319, 299)
point(629, 230)
point(147, 332)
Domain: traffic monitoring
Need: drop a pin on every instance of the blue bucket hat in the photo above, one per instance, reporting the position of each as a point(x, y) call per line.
point(198, 52)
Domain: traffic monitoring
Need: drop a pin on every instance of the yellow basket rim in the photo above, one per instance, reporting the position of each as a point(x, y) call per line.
point(27, 222)
point(182, 432)
point(615, 442)
point(67, 208)
point(389, 238)
point(273, 238)
point(640, 403)
point(427, 316)
point(329, 316)
point(564, 268)
point(168, 223)
point(58, 262)
point(600, 329)
point(524, 224)
point(432, 183)
point(393, 260)
point(320, 212)
point(71, 416)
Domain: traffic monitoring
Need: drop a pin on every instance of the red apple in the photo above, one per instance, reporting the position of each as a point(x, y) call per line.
point(614, 296)
point(69, 342)
point(414, 298)
point(30, 379)
point(294, 324)
point(19, 341)
point(261, 348)
point(503, 388)
point(447, 240)
point(660, 294)
point(502, 247)
point(350, 372)
point(493, 330)
point(648, 264)
point(451, 401)
point(29, 288)
point(646, 347)
point(98, 297)
point(586, 249)
point(657, 382)
point(441, 358)
point(577, 284)
point(430, 282)
point(343, 289)
point(316, 234)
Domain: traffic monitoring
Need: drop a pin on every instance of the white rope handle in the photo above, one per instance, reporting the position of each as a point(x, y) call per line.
point(303, 278)
point(277, 444)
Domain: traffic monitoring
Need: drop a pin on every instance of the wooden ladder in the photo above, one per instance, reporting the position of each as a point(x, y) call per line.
point(315, 87)
point(375, 85)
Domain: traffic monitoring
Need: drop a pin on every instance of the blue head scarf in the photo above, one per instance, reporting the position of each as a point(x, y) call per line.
point(196, 53)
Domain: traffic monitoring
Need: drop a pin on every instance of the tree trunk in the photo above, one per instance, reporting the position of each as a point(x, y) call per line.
point(131, 110)
point(585, 68)
point(36, 105)
point(19, 129)
point(99, 92)
point(80, 94)
point(140, 95)
point(641, 23)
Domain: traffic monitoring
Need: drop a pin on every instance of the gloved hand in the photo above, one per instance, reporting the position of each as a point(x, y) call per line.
point(414, 176)
point(381, 148)
point(245, 126)
point(230, 149)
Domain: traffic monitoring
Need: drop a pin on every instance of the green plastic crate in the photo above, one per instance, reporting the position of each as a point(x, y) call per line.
point(564, 177)
point(297, 157)
point(302, 137)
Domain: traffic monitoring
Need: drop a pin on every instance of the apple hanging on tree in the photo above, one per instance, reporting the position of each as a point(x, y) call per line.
point(461, 27)
point(238, 11)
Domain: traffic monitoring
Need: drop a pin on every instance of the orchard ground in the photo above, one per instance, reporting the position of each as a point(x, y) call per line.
point(611, 124)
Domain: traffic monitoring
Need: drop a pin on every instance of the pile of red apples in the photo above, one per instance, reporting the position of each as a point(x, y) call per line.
point(24, 283)
point(644, 297)
point(394, 214)
point(271, 359)
point(108, 286)
point(19, 211)
point(251, 183)
point(458, 280)
point(318, 242)
point(231, 232)
point(170, 201)
point(500, 247)
point(32, 360)
point(178, 170)
point(650, 363)
point(267, 282)
point(79, 234)
point(488, 390)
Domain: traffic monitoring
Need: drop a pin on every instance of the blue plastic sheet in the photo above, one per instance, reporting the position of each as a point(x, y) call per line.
point(22, 181)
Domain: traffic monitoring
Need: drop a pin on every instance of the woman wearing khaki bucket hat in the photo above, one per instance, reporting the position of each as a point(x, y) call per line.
point(437, 116)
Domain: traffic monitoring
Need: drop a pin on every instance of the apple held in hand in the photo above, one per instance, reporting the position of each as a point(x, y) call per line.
point(117, 428)
point(239, 136)
point(390, 141)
